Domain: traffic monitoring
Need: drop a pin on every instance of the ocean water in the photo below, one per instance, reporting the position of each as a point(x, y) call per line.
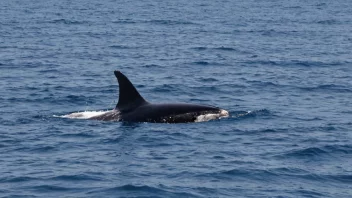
point(282, 69)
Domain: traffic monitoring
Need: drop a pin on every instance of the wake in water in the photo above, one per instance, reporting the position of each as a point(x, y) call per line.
point(83, 115)
point(249, 114)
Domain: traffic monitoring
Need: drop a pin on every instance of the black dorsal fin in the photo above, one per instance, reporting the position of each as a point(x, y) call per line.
point(129, 98)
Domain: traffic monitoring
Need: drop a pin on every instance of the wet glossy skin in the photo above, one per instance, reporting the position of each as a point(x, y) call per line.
point(170, 113)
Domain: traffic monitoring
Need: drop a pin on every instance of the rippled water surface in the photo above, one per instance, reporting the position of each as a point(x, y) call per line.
point(281, 68)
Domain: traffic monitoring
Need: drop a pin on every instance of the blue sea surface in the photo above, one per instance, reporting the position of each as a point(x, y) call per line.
point(283, 69)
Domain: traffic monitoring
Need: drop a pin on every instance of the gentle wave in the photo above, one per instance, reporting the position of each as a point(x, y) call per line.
point(155, 22)
point(67, 22)
point(319, 88)
point(328, 150)
point(80, 177)
point(222, 48)
point(122, 47)
point(165, 88)
point(206, 63)
point(328, 22)
point(330, 87)
point(17, 179)
point(296, 63)
point(52, 188)
point(152, 66)
point(275, 174)
point(170, 22)
point(141, 191)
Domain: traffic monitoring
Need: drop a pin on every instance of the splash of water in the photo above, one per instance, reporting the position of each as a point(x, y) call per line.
point(212, 116)
point(83, 115)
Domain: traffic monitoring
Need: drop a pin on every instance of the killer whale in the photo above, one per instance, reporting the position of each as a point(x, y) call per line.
point(132, 107)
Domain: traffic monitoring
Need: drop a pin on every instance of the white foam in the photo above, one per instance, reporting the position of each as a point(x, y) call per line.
point(212, 116)
point(83, 115)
